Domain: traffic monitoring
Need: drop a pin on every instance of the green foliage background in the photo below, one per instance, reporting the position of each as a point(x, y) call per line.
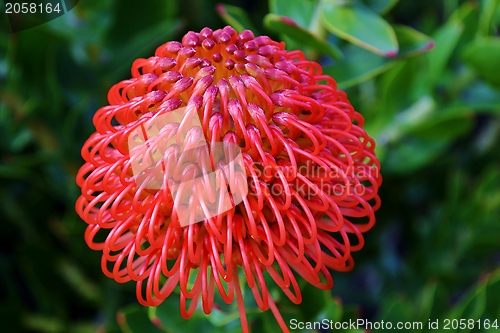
point(435, 251)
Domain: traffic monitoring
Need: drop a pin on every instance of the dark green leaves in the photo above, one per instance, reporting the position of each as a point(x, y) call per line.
point(381, 6)
point(301, 11)
point(359, 25)
point(288, 27)
point(446, 41)
point(374, 45)
point(483, 56)
point(412, 42)
point(360, 64)
point(168, 316)
point(135, 319)
point(235, 17)
point(479, 303)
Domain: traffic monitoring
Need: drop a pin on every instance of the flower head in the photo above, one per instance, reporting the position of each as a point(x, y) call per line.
point(293, 182)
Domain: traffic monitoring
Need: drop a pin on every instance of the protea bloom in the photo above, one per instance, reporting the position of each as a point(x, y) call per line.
point(307, 164)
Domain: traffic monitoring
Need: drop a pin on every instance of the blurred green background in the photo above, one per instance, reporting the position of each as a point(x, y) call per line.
point(434, 111)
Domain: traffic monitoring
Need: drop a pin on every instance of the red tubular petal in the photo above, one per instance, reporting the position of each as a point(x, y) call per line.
point(278, 316)
point(241, 303)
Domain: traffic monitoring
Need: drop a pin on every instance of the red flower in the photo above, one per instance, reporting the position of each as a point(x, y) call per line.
point(308, 166)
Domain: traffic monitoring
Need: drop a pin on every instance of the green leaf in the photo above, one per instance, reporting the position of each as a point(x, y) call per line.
point(75, 278)
point(286, 26)
point(472, 306)
point(236, 17)
point(415, 114)
point(360, 65)
point(399, 87)
point(426, 301)
point(314, 300)
point(43, 324)
point(493, 303)
point(360, 25)
point(488, 9)
point(446, 39)
point(482, 98)
point(425, 121)
point(168, 314)
point(140, 45)
point(446, 124)
point(487, 194)
point(411, 154)
point(462, 13)
point(412, 42)
point(381, 6)
point(319, 304)
point(398, 309)
point(483, 56)
point(331, 311)
point(134, 319)
point(93, 29)
point(221, 319)
point(301, 11)
point(468, 16)
point(419, 134)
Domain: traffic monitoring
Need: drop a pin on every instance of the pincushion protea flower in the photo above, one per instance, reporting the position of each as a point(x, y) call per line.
point(310, 170)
